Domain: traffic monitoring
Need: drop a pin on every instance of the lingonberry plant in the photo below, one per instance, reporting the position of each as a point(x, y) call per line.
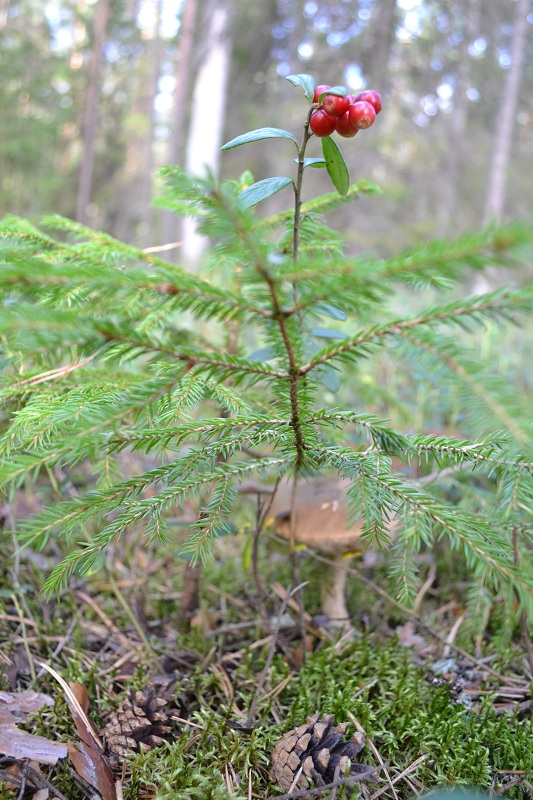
point(336, 110)
point(100, 358)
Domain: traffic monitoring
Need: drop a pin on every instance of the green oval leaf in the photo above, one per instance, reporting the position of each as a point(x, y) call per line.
point(330, 311)
point(330, 379)
point(307, 82)
point(310, 348)
point(263, 354)
point(316, 163)
point(328, 333)
point(340, 91)
point(260, 133)
point(263, 189)
point(336, 165)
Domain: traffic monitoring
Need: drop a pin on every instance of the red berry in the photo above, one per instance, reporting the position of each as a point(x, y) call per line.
point(320, 90)
point(321, 123)
point(334, 105)
point(372, 97)
point(351, 98)
point(344, 126)
point(362, 114)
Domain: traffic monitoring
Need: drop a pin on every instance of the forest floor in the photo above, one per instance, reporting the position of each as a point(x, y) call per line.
point(154, 701)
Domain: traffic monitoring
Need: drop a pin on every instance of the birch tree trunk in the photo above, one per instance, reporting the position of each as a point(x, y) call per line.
point(4, 8)
point(208, 111)
point(503, 135)
point(85, 175)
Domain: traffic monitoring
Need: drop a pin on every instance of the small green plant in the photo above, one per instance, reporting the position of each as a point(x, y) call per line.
point(100, 356)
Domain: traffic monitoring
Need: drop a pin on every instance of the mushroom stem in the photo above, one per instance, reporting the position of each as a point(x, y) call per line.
point(333, 593)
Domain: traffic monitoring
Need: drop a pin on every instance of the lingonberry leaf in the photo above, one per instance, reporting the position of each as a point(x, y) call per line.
point(316, 163)
point(260, 133)
point(330, 311)
point(340, 91)
point(336, 165)
point(263, 189)
point(328, 333)
point(263, 354)
point(307, 82)
point(311, 348)
point(330, 379)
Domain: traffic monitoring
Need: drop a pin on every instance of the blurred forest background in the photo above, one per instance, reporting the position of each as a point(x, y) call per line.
point(98, 94)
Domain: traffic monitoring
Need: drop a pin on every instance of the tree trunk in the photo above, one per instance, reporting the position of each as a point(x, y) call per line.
point(450, 215)
point(132, 212)
point(182, 76)
point(384, 28)
point(154, 55)
point(85, 177)
point(503, 135)
point(4, 8)
point(208, 111)
point(297, 35)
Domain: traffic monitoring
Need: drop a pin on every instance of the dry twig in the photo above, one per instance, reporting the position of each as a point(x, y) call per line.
point(270, 656)
point(362, 776)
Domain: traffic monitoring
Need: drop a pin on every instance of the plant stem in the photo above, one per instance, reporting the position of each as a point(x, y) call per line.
point(278, 313)
point(298, 184)
point(295, 422)
point(522, 618)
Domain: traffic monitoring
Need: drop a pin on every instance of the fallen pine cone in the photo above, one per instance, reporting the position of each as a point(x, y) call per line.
point(316, 752)
point(138, 720)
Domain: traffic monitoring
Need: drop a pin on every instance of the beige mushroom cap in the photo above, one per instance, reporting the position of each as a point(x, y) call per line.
point(321, 518)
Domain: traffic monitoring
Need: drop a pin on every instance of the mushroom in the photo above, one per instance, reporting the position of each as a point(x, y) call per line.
point(321, 524)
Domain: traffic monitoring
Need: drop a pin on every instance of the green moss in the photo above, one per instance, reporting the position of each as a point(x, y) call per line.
point(402, 711)
point(196, 765)
point(405, 715)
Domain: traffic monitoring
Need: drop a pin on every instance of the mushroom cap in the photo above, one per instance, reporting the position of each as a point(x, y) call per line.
point(320, 509)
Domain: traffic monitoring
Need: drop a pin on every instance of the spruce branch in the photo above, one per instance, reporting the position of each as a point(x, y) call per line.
point(476, 386)
point(279, 317)
point(321, 205)
point(110, 350)
point(481, 542)
point(497, 305)
point(83, 559)
point(74, 447)
point(493, 246)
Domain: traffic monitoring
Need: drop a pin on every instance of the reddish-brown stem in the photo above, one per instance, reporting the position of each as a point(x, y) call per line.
point(298, 184)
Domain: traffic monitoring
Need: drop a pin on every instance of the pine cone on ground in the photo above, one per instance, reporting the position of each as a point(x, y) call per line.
point(139, 719)
point(316, 752)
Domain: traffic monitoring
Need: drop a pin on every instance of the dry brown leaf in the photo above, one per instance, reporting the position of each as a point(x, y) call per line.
point(83, 724)
point(20, 744)
point(90, 765)
point(86, 729)
point(81, 694)
point(408, 638)
point(26, 702)
point(6, 717)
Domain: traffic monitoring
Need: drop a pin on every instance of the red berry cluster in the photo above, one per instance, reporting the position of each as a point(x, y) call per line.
point(346, 115)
